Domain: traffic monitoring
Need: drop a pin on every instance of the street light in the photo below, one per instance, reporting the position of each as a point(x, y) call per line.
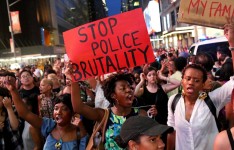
point(11, 28)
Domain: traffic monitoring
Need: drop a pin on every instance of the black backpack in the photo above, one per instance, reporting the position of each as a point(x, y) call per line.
point(208, 102)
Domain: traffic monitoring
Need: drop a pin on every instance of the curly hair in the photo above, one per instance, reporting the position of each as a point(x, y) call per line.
point(110, 84)
point(197, 67)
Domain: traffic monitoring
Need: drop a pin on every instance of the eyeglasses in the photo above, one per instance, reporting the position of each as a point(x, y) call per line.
point(26, 76)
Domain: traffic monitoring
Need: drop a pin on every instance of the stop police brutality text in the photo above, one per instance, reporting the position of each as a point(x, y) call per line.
point(125, 48)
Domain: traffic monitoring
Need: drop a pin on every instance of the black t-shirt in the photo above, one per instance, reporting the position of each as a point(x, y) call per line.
point(226, 71)
point(57, 90)
point(35, 91)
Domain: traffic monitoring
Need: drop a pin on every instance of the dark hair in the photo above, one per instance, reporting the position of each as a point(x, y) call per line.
point(51, 71)
point(170, 54)
point(156, 65)
point(137, 70)
point(7, 73)
point(47, 67)
point(110, 83)
point(205, 60)
point(225, 72)
point(198, 67)
point(123, 144)
point(180, 63)
point(224, 51)
point(2, 71)
point(27, 68)
point(4, 93)
point(25, 71)
point(162, 57)
point(65, 99)
point(148, 69)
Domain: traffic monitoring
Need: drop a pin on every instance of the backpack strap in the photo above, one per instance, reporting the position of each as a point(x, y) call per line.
point(208, 102)
point(180, 89)
point(212, 108)
point(174, 102)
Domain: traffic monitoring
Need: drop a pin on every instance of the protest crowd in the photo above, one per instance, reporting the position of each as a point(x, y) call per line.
point(176, 102)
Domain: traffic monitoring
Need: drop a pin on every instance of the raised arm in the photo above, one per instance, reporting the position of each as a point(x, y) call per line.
point(139, 90)
point(171, 83)
point(14, 122)
point(229, 33)
point(78, 106)
point(21, 108)
point(81, 108)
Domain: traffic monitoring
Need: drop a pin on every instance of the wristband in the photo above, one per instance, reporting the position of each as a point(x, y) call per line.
point(231, 48)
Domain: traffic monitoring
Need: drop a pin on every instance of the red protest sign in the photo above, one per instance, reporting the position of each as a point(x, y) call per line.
point(109, 45)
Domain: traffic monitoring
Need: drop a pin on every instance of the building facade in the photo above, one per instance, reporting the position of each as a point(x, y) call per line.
point(42, 24)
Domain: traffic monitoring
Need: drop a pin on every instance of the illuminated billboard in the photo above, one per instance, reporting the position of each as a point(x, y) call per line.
point(152, 17)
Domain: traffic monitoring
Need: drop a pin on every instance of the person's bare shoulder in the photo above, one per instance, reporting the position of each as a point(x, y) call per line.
point(221, 141)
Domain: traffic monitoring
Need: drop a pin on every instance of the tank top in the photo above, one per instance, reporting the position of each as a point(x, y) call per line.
point(160, 99)
point(113, 127)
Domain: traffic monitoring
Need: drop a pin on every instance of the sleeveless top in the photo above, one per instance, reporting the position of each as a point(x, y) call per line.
point(27, 138)
point(229, 133)
point(113, 127)
point(47, 106)
point(47, 126)
point(160, 99)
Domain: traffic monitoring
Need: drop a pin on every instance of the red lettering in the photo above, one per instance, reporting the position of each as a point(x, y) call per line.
point(211, 8)
point(218, 10)
point(193, 5)
point(227, 10)
point(204, 7)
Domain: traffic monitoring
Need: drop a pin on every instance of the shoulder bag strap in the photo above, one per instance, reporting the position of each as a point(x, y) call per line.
point(106, 116)
point(99, 125)
point(212, 108)
point(174, 102)
point(230, 138)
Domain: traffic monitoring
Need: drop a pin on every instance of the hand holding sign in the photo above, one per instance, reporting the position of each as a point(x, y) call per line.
point(108, 45)
point(229, 31)
point(68, 72)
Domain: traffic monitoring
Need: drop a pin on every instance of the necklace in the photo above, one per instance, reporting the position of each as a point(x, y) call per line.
point(59, 143)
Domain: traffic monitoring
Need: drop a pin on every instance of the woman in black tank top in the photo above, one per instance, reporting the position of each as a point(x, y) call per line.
point(153, 93)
